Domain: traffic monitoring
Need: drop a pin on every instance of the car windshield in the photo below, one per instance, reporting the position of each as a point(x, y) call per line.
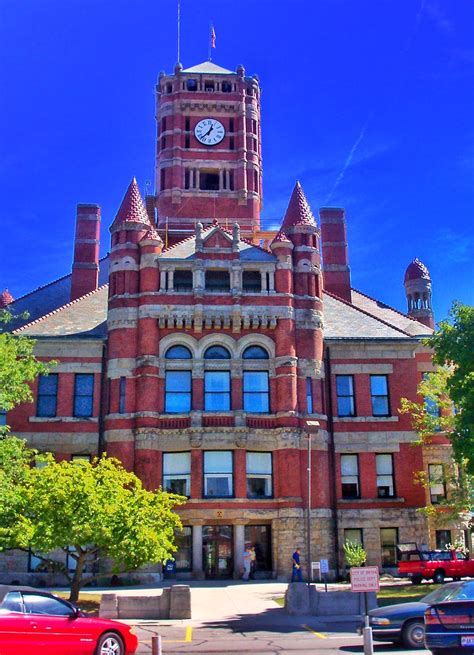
point(452, 591)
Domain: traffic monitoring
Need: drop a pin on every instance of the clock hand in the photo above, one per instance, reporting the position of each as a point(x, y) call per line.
point(209, 130)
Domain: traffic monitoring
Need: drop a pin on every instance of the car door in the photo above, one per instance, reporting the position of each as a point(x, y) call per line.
point(54, 623)
point(17, 635)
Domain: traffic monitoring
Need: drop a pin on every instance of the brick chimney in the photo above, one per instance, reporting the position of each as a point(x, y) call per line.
point(336, 271)
point(85, 267)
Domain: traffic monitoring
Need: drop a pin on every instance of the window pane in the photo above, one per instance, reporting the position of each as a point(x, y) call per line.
point(344, 385)
point(177, 403)
point(12, 602)
point(47, 406)
point(217, 461)
point(384, 464)
point(178, 352)
point(380, 406)
point(217, 352)
point(178, 381)
point(84, 384)
point(215, 381)
point(378, 385)
point(37, 604)
point(218, 485)
point(176, 463)
point(345, 406)
point(354, 535)
point(389, 538)
point(177, 485)
point(255, 381)
point(349, 465)
point(82, 406)
point(256, 402)
point(259, 463)
point(259, 487)
point(255, 352)
point(48, 384)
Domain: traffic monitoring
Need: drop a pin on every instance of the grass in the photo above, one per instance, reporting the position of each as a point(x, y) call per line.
point(280, 600)
point(88, 603)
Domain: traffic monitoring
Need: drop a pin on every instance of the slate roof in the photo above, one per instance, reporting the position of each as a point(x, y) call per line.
point(298, 211)
point(208, 67)
point(388, 314)
point(132, 209)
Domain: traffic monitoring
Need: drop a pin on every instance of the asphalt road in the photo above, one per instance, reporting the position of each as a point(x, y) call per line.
point(274, 640)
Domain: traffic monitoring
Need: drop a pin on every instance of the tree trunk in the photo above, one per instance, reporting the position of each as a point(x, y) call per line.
point(76, 582)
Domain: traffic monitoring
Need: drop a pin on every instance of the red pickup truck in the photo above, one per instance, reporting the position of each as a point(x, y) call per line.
point(433, 565)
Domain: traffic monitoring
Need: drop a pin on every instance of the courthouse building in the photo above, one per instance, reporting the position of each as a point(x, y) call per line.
point(207, 354)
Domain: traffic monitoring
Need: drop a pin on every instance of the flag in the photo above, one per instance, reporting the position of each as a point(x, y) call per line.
point(213, 37)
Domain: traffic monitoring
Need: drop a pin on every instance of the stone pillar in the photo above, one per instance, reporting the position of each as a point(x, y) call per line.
point(163, 280)
point(171, 280)
point(198, 573)
point(239, 546)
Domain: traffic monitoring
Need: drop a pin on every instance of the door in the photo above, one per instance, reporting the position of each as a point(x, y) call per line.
point(217, 546)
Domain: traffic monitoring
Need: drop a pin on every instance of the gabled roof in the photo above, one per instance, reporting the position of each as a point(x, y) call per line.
point(186, 249)
point(298, 212)
point(132, 209)
point(208, 67)
point(389, 314)
point(84, 317)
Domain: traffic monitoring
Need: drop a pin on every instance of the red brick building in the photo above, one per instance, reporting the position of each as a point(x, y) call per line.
point(202, 352)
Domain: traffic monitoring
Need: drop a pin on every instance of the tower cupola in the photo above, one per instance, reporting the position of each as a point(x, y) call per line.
point(417, 283)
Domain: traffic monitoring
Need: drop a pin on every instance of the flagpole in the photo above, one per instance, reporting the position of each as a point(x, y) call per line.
point(179, 32)
point(210, 42)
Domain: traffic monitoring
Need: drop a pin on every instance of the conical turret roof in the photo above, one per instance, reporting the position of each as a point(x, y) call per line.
point(298, 212)
point(132, 209)
point(5, 298)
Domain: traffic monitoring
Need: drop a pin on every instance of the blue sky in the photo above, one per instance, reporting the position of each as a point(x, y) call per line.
point(368, 102)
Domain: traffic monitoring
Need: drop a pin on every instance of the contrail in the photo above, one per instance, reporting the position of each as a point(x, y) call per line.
point(349, 157)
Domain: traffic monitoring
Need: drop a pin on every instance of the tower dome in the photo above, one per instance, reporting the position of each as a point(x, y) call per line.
point(417, 283)
point(5, 298)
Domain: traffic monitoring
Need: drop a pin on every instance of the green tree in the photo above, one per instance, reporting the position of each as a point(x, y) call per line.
point(94, 511)
point(354, 553)
point(18, 366)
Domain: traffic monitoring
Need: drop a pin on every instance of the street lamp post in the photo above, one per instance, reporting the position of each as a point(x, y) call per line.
point(312, 427)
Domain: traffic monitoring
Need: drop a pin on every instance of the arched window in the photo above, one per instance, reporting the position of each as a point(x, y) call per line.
point(217, 352)
point(177, 383)
point(255, 352)
point(217, 383)
point(256, 386)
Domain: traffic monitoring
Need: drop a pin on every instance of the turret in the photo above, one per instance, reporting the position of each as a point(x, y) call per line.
point(418, 292)
point(5, 298)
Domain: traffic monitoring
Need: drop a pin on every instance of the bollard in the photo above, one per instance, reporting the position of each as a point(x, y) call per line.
point(156, 645)
point(367, 634)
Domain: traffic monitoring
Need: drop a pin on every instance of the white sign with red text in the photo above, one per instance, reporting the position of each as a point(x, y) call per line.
point(365, 578)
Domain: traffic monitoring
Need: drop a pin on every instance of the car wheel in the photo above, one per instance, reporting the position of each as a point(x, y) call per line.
point(416, 579)
point(413, 634)
point(438, 577)
point(110, 643)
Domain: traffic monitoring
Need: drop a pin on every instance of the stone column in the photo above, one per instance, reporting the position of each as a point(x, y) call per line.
point(171, 280)
point(198, 573)
point(163, 280)
point(239, 545)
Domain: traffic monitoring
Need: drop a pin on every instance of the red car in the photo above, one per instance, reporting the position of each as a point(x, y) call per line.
point(33, 622)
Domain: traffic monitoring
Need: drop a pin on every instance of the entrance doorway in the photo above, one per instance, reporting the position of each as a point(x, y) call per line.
point(217, 551)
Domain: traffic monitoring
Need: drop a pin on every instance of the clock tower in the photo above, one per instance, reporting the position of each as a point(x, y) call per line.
point(208, 150)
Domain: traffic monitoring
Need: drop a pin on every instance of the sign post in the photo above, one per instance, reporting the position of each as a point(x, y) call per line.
point(324, 568)
point(364, 579)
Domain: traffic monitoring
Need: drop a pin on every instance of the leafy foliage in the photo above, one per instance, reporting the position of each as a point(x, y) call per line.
point(92, 510)
point(354, 553)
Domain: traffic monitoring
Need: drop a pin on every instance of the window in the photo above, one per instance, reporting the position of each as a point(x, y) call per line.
point(81, 458)
point(12, 602)
point(209, 180)
point(231, 180)
point(231, 143)
point(178, 352)
point(256, 391)
point(40, 604)
point(231, 124)
point(209, 85)
point(187, 123)
point(191, 85)
point(354, 535)
point(47, 395)
point(350, 476)
point(252, 281)
point(218, 281)
point(432, 407)
point(184, 555)
point(187, 144)
point(437, 483)
point(163, 124)
point(84, 394)
point(187, 178)
point(379, 395)
point(443, 538)
point(226, 87)
point(259, 475)
point(259, 536)
point(255, 352)
point(345, 395)
point(122, 394)
point(163, 179)
point(177, 473)
point(389, 541)
point(309, 395)
point(177, 392)
point(384, 469)
point(217, 352)
point(3, 417)
point(216, 391)
point(254, 126)
point(183, 280)
point(218, 473)
point(169, 88)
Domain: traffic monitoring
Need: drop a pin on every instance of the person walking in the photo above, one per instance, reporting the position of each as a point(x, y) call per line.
point(247, 562)
point(296, 570)
point(253, 562)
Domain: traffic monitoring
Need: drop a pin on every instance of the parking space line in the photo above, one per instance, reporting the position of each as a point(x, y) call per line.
point(316, 634)
point(188, 637)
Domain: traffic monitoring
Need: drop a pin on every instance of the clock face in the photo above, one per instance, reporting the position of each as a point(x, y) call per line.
point(209, 131)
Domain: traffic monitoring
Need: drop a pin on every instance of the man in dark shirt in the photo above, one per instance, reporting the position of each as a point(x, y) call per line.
point(296, 571)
